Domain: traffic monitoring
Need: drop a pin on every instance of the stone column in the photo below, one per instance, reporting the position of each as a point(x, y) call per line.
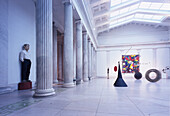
point(95, 63)
point(89, 59)
point(68, 45)
point(85, 57)
point(55, 55)
point(60, 60)
point(79, 54)
point(92, 61)
point(44, 48)
point(154, 57)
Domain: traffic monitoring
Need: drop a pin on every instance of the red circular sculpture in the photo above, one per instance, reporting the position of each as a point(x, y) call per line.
point(115, 68)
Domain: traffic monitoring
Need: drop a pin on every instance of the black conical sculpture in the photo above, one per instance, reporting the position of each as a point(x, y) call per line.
point(119, 81)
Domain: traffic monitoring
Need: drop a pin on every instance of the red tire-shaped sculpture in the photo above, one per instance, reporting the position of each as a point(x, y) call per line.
point(157, 78)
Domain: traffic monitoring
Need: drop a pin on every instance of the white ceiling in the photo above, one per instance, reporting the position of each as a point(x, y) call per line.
point(109, 14)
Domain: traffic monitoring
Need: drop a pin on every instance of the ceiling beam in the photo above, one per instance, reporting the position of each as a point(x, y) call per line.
point(98, 3)
point(167, 24)
point(131, 13)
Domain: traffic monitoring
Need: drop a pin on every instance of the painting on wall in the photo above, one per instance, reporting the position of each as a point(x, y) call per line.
point(130, 63)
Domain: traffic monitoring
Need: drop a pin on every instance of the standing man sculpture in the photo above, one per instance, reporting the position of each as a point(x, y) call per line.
point(25, 68)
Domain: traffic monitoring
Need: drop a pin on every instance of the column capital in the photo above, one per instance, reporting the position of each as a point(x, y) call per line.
point(78, 21)
point(155, 48)
point(62, 34)
point(67, 1)
point(84, 32)
point(89, 40)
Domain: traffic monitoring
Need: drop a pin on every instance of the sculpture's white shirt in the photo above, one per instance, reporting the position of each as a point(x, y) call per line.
point(24, 55)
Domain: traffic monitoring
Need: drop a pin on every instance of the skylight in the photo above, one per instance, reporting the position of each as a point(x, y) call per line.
point(165, 6)
point(137, 17)
point(115, 2)
point(146, 16)
point(123, 11)
point(155, 5)
point(149, 17)
point(157, 17)
point(133, 7)
point(145, 5)
point(120, 2)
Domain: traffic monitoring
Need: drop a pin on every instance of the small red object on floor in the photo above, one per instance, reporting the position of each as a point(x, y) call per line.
point(25, 85)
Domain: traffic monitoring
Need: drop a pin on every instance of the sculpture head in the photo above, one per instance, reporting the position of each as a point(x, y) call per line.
point(26, 47)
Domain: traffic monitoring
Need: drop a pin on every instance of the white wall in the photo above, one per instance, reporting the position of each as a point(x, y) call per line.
point(101, 64)
point(3, 43)
point(21, 30)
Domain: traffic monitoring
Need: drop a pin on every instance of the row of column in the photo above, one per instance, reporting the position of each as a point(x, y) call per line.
point(46, 55)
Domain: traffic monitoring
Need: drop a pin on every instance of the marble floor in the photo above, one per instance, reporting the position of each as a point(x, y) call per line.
point(95, 98)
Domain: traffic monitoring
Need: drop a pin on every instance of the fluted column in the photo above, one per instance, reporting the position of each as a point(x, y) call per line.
point(79, 60)
point(89, 59)
point(96, 63)
point(55, 54)
point(85, 57)
point(92, 61)
point(44, 48)
point(154, 57)
point(68, 45)
point(60, 60)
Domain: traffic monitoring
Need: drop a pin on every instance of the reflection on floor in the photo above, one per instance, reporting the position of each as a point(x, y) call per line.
point(95, 98)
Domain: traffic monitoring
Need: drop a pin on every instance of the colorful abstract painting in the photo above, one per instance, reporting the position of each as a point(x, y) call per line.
point(130, 63)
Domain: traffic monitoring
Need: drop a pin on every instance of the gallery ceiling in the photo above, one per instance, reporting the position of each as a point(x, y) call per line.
point(109, 14)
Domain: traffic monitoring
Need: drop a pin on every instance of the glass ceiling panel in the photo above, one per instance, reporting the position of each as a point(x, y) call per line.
point(155, 5)
point(133, 7)
point(115, 2)
point(146, 16)
point(140, 11)
point(145, 5)
point(157, 17)
point(138, 17)
point(165, 6)
point(120, 2)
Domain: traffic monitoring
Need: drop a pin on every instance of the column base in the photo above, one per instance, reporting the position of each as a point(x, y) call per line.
point(79, 82)
point(60, 82)
point(68, 85)
point(55, 81)
point(43, 93)
point(92, 78)
point(85, 79)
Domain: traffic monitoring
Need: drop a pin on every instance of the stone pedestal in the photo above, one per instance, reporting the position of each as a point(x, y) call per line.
point(25, 85)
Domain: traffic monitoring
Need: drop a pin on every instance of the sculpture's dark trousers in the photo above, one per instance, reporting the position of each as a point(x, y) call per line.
point(26, 65)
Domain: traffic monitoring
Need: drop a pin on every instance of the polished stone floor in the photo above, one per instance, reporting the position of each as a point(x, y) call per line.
point(95, 98)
